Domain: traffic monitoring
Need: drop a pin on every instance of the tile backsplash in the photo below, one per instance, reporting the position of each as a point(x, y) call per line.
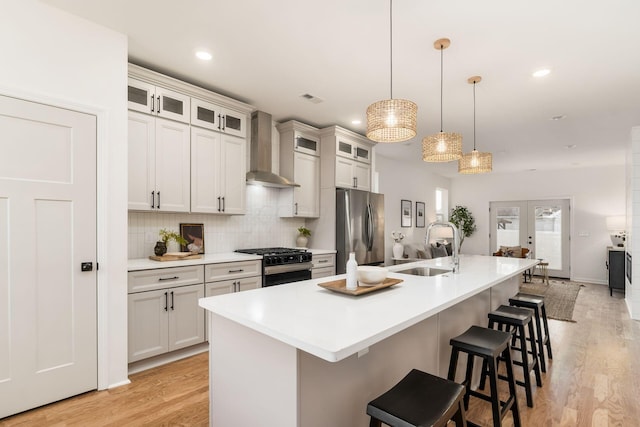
point(259, 227)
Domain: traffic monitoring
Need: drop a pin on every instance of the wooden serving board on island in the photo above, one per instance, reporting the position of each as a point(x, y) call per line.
point(175, 256)
point(341, 286)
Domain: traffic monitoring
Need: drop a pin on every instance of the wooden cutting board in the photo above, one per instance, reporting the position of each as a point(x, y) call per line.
point(175, 256)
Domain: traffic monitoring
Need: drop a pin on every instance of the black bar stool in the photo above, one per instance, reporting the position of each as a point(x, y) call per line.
point(515, 320)
point(419, 399)
point(536, 303)
point(488, 344)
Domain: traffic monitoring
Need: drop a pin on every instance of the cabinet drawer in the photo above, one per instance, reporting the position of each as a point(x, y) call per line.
point(232, 270)
point(162, 278)
point(327, 260)
point(317, 273)
point(234, 285)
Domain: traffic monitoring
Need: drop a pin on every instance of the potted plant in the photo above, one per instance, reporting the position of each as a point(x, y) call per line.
point(462, 218)
point(165, 237)
point(303, 237)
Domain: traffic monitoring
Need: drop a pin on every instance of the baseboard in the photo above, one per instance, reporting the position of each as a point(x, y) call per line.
point(121, 383)
point(163, 359)
point(590, 280)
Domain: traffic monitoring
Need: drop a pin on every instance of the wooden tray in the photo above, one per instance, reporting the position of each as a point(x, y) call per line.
point(341, 286)
point(175, 256)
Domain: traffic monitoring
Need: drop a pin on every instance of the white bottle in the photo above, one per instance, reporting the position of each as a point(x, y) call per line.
point(352, 272)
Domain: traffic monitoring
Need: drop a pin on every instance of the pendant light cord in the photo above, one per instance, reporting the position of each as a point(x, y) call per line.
point(441, 72)
point(391, 47)
point(474, 115)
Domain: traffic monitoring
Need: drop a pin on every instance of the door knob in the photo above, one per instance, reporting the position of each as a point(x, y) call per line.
point(86, 266)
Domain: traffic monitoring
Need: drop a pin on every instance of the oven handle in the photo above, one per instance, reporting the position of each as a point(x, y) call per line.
point(287, 268)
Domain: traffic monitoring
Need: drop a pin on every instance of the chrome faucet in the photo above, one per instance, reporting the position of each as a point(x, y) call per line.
point(455, 246)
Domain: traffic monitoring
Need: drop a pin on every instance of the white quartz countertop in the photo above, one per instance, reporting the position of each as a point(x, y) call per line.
point(333, 326)
point(149, 264)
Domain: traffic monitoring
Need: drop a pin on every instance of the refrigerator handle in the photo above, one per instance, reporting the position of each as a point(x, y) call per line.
point(370, 230)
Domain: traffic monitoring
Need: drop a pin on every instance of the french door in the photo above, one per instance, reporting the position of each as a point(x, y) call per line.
point(48, 337)
point(542, 226)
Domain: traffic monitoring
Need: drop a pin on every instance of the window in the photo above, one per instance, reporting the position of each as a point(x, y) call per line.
point(442, 204)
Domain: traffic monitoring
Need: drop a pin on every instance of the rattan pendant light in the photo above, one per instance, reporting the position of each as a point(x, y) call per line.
point(442, 146)
point(475, 161)
point(391, 120)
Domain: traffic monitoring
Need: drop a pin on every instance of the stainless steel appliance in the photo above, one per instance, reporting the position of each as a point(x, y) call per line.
point(359, 227)
point(282, 265)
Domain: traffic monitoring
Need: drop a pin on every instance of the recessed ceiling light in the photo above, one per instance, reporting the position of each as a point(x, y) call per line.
point(356, 122)
point(541, 73)
point(559, 117)
point(205, 56)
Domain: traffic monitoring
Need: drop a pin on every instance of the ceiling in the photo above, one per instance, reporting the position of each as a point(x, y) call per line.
point(269, 53)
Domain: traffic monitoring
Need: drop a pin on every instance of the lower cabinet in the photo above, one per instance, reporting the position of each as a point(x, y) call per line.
point(228, 277)
point(323, 266)
point(229, 286)
point(165, 320)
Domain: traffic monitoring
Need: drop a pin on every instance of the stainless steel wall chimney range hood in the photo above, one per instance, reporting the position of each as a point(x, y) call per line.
point(260, 154)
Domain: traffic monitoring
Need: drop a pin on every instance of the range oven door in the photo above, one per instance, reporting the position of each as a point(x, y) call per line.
point(280, 274)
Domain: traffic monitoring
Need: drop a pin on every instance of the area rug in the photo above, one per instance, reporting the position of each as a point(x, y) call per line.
point(559, 297)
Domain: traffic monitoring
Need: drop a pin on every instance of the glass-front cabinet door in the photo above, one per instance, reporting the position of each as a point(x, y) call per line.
point(233, 123)
point(205, 114)
point(306, 144)
point(147, 98)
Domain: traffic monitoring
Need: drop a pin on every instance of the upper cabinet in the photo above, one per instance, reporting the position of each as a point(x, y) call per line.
point(193, 162)
point(349, 165)
point(158, 164)
point(218, 171)
point(300, 162)
point(150, 99)
point(214, 117)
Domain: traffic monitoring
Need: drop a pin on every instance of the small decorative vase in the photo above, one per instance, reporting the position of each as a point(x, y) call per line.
point(398, 250)
point(160, 248)
point(302, 241)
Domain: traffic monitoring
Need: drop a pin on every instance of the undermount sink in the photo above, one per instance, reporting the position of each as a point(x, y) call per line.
point(424, 271)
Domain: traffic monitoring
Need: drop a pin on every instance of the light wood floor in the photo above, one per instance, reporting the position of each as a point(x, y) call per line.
point(593, 380)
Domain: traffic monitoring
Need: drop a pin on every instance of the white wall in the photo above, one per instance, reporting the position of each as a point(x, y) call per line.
point(56, 58)
point(595, 193)
point(632, 294)
point(398, 181)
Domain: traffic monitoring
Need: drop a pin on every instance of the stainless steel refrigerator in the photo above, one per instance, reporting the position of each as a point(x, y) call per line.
point(359, 227)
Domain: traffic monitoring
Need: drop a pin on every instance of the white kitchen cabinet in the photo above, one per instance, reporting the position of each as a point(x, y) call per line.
point(323, 266)
point(228, 277)
point(349, 166)
point(164, 320)
point(158, 101)
point(300, 162)
point(159, 164)
point(352, 174)
point(215, 117)
point(218, 172)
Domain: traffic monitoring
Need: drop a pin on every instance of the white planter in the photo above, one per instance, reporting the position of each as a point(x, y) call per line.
point(398, 250)
point(302, 241)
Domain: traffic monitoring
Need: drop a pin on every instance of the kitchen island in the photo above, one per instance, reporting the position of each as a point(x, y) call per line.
point(301, 355)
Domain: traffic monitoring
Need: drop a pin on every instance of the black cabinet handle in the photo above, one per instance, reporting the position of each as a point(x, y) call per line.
point(223, 204)
point(153, 200)
point(240, 270)
point(218, 204)
point(166, 302)
point(158, 200)
point(168, 278)
point(322, 261)
point(158, 104)
point(153, 103)
point(172, 301)
point(296, 209)
point(219, 121)
point(222, 122)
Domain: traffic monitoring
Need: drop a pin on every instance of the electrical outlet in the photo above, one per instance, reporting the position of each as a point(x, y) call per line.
point(149, 237)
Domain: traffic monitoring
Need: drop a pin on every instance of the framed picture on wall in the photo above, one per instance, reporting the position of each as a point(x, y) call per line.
point(194, 235)
point(420, 215)
point(405, 213)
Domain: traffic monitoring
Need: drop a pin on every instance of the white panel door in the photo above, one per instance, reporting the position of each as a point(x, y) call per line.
point(205, 173)
point(148, 324)
point(362, 173)
point(344, 173)
point(142, 161)
point(47, 229)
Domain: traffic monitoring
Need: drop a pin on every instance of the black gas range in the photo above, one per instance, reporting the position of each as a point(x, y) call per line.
point(282, 265)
